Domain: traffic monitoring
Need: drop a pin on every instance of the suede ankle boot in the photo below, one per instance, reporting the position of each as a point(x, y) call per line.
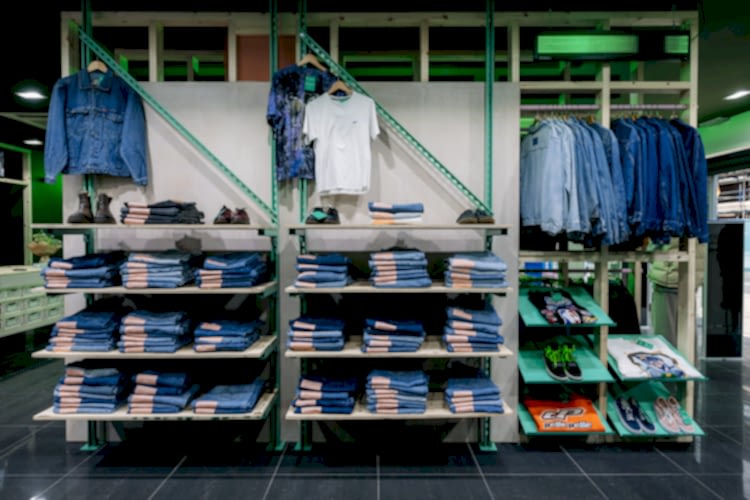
point(83, 215)
point(103, 214)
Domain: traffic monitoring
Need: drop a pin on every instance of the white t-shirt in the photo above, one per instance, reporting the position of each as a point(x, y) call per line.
point(640, 357)
point(341, 128)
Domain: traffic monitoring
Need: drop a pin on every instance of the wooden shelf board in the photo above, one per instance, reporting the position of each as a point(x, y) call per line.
point(431, 348)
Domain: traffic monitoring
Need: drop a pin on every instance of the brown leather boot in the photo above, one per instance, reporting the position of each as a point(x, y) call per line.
point(83, 215)
point(103, 215)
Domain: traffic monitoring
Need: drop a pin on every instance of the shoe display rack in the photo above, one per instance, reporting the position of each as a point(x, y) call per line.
point(264, 349)
point(431, 348)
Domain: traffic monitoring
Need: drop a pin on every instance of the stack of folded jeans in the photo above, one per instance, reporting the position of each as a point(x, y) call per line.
point(397, 391)
point(395, 213)
point(399, 269)
point(322, 271)
point(308, 333)
point(169, 269)
point(145, 331)
point(161, 392)
point(320, 394)
point(232, 270)
point(226, 335)
point(87, 330)
point(473, 395)
point(163, 212)
point(240, 398)
point(476, 270)
point(389, 335)
point(96, 270)
point(472, 330)
point(89, 390)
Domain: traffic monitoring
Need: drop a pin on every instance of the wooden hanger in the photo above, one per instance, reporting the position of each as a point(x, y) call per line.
point(339, 85)
point(310, 58)
point(97, 65)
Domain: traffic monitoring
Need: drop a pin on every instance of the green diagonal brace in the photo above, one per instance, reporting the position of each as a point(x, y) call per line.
point(133, 83)
point(400, 129)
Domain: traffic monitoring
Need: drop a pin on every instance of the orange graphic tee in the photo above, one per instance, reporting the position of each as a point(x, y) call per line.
point(575, 415)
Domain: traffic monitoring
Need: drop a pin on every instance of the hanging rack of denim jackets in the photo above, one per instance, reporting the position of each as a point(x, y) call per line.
point(643, 177)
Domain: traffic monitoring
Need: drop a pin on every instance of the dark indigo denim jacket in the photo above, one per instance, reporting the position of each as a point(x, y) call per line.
point(95, 127)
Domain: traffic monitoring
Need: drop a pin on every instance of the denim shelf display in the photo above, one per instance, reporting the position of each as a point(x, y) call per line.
point(264, 349)
point(431, 348)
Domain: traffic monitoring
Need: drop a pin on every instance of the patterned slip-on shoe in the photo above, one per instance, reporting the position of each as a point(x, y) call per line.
point(627, 415)
point(664, 415)
point(681, 417)
point(224, 216)
point(467, 217)
point(643, 419)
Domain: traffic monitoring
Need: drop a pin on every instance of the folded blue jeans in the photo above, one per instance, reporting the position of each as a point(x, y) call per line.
point(320, 277)
point(321, 268)
point(326, 284)
point(169, 257)
point(488, 315)
point(81, 369)
point(407, 283)
point(81, 348)
point(179, 400)
point(87, 408)
point(471, 386)
point(315, 346)
point(323, 402)
point(324, 409)
point(313, 334)
point(486, 261)
point(103, 381)
point(314, 382)
point(477, 408)
point(222, 398)
point(316, 323)
point(395, 325)
point(95, 320)
point(91, 260)
point(398, 378)
point(397, 265)
point(377, 206)
point(105, 272)
point(332, 259)
point(322, 394)
point(155, 378)
point(233, 260)
point(386, 257)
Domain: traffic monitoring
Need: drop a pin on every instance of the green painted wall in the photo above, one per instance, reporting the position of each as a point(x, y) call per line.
point(46, 199)
point(730, 136)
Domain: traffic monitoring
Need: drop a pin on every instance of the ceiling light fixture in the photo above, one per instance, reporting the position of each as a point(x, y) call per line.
point(31, 95)
point(737, 95)
point(33, 142)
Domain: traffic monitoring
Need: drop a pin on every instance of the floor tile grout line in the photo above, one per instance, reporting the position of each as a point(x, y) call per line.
point(275, 471)
point(481, 472)
point(688, 473)
point(169, 476)
point(62, 478)
point(585, 474)
point(377, 476)
point(11, 448)
point(734, 440)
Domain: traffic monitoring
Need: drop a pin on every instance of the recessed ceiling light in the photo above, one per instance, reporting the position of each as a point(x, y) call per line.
point(31, 95)
point(737, 95)
point(33, 142)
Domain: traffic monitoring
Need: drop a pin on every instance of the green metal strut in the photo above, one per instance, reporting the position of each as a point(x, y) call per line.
point(400, 129)
point(489, 81)
point(171, 120)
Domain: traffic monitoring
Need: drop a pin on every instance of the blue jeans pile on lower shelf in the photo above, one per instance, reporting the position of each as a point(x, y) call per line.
point(232, 270)
point(145, 331)
point(240, 398)
point(473, 395)
point(88, 330)
point(169, 269)
point(320, 394)
point(322, 271)
point(472, 330)
point(161, 392)
point(389, 335)
point(226, 335)
point(89, 390)
point(397, 391)
point(309, 333)
point(399, 269)
point(476, 270)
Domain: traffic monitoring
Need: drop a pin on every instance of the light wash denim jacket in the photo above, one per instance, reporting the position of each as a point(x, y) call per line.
point(95, 127)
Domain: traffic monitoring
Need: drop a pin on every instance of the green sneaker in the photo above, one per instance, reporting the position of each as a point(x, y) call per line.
point(572, 370)
point(553, 362)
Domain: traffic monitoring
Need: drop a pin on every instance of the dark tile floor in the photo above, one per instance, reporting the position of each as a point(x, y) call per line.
point(184, 463)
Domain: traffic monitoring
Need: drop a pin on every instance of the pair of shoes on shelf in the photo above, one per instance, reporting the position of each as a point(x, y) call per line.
point(560, 362)
point(227, 216)
point(84, 215)
point(475, 217)
point(319, 215)
point(633, 417)
point(671, 416)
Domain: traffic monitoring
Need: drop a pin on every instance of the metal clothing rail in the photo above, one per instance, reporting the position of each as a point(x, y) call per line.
point(559, 107)
point(647, 107)
point(171, 120)
point(344, 76)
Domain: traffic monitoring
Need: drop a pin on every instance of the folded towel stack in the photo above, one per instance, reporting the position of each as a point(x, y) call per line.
point(232, 270)
point(308, 333)
point(476, 270)
point(226, 335)
point(473, 395)
point(387, 335)
point(162, 212)
point(395, 213)
point(397, 391)
point(145, 331)
point(96, 270)
point(161, 392)
point(322, 271)
point(240, 398)
point(89, 390)
point(87, 330)
point(399, 269)
point(320, 394)
point(169, 269)
point(472, 330)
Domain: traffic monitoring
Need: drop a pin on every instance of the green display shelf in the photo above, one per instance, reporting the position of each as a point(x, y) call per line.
point(531, 365)
point(529, 426)
point(645, 394)
point(625, 378)
point(533, 318)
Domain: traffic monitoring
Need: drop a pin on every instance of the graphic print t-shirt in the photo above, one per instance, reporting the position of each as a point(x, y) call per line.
point(575, 415)
point(341, 129)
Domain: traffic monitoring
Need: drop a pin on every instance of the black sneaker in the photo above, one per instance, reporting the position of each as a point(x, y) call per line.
point(572, 370)
point(332, 216)
point(646, 424)
point(627, 415)
point(553, 362)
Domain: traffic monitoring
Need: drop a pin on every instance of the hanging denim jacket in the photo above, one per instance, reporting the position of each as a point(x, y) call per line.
point(96, 125)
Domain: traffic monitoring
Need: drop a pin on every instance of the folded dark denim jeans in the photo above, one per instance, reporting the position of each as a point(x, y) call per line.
point(88, 390)
point(400, 411)
point(92, 260)
point(81, 369)
point(496, 407)
point(304, 345)
point(104, 347)
point(320, 277)
point(405, 274)
point(169, 257)
point(326, 284)
point(105, 381)
point(486, 261)
point(179, 400)
point(471, 386)
point(103, 272)
point(377, 206)
point(344, 410)
point(141, 317)
point(333, 259)
point(406, 283)
point(227, 328)
point(147, 408)
point(86, 408)
point(323, 383)
point(396, 379)
point(397, 256)
point(329, 394)
point(316, 323)
point(123, 347)
point(456, 325)
point(323, 402)
point(397, 265)
point(321, 268)
point(156, 378)
point(233, 260)
point(488, 315)
point(479, 339)
point(451, 347)
point(312, 334)
point(223, 398)
point(125, 210)
point(160, 390)
point(400, 335)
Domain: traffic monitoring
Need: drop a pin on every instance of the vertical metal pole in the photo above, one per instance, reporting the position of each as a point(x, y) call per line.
point(489, 81)
point(273, 58)
point(302, 28)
